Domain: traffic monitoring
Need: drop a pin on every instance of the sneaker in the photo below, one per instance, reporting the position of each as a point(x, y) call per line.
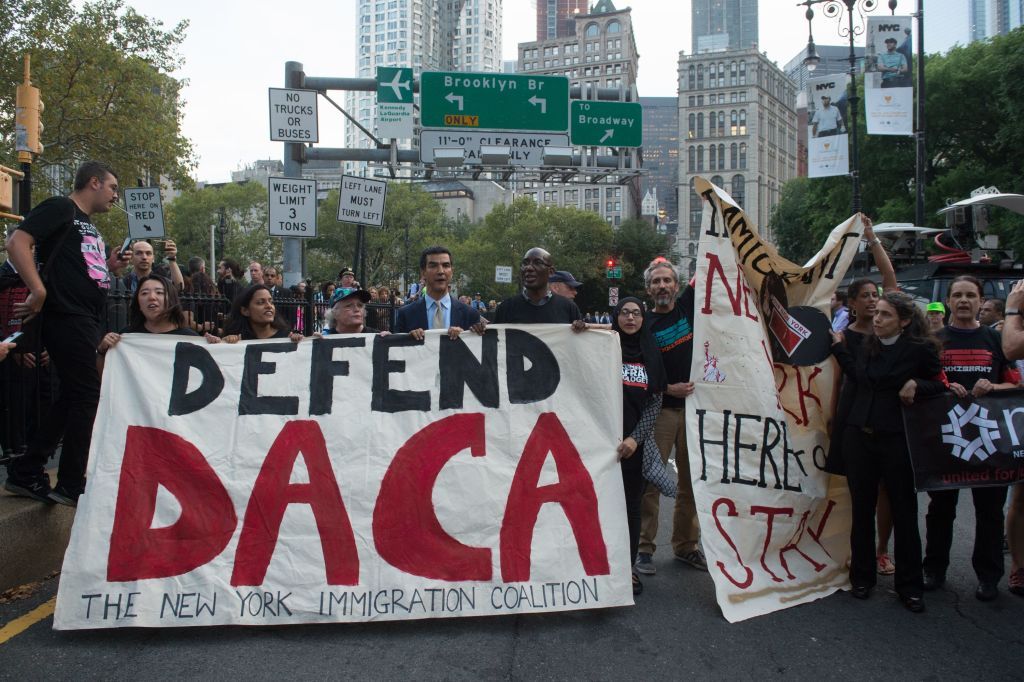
point(1016, 582)
point(987, 591)
point(933, 581)
point(885, 565)
point(62, 495)
point(638, 587)
point(694, 558)
point(38, 489)
point(644, 564)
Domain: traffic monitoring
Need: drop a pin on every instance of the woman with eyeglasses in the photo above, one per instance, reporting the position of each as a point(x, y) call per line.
point(643, 380)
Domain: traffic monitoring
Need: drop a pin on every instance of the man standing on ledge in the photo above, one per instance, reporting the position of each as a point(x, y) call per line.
point(672, 327)
point(536, 303)
point(72, 303)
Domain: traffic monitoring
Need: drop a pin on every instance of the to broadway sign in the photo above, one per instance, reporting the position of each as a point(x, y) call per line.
point(494, 101)
point(351, 478)
point(611, 124)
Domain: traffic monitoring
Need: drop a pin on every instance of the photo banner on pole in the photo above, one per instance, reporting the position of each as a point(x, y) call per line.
point(828, 145)
point(351, 478)
point(889, 76)
point(775, 526)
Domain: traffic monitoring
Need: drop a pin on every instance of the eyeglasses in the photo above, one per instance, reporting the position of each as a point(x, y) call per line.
point(536, 262)
point(631, 313)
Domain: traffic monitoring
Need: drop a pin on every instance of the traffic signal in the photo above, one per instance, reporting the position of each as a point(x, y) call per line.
point(610, 263)
point(28, 124)
point(8, 187)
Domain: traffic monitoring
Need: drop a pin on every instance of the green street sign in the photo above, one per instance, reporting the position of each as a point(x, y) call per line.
point(394, 85)
point(614, 273)
point(494, 101)
point(607, 124)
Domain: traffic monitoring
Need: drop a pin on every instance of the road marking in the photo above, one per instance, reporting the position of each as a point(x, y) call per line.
point(19, 625)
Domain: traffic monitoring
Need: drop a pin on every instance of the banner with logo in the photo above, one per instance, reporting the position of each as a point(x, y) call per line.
point(351, 478)
point(828, 144)
point(774, 525)
point(889, 76)
point(969, 443)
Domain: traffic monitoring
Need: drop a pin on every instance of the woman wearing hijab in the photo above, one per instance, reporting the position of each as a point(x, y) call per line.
point(643, 380)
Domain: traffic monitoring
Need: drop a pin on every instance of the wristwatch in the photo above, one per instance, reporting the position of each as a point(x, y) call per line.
point(1012, 311)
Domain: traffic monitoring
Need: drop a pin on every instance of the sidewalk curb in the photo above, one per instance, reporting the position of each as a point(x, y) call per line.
point(34, 536)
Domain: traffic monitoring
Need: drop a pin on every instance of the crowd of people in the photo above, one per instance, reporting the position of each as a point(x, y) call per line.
point(889, 351)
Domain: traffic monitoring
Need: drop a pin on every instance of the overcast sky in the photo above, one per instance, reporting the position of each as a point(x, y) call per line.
point(236, 50)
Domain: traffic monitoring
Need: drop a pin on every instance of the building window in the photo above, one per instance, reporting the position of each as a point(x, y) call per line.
point(743, 122)
point(743, 73)
point(691, 131)
point(691, 160)
point(718, 181)
point(691, 82)
point(700, 125)
point(700, 76)
point(743, 156)
point(700, 158)
point(712, 157)
point(738, 189)
point(732, 156)
point(592, 31)
point(614, 27)
point(733, 122)
point(721, 124)
point(721, 157)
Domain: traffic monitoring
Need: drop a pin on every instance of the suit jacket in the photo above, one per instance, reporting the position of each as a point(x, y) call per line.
point(414, 316)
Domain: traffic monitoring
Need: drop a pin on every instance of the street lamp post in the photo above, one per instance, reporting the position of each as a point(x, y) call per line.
point(833, 9)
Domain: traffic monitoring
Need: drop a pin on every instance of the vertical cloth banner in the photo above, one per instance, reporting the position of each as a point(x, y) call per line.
point(351, 478)
point(828, 145)
point(775, 526)
point(889, 77)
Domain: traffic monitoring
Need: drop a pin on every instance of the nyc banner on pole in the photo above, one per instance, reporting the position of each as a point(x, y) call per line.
point(889, 76)
point(351, 478)
point(828, 141)
point(775, 526)
point(969, 443)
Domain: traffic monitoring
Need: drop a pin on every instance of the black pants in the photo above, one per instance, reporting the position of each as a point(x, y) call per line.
point(871, 458)
point(987, 558)
point(71, 341)
point(633, 484)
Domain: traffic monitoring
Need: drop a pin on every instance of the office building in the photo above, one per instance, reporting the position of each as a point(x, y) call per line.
point(990, 18)
point(723, 25)
point(661, 152)
point(601, 54)
point(738, 130)
point(557, 18)
point(428, 35)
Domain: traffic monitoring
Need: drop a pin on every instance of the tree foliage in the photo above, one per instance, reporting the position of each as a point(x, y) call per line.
point(103, 74)
point(974, 134)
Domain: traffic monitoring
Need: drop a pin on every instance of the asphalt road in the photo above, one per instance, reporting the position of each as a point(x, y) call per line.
point(674, 631)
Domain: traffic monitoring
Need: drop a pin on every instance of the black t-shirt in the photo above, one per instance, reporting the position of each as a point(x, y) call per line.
point(78, 280)
point(180, 331)
point(673, 333)
point(519, 310)
point(972, 354)
point(249, 335)
point(634, 394)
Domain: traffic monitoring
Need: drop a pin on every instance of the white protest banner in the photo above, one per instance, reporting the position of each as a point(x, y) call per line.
point(888, 77)
point(775, 526)
point(351, 478)
point(828, 146)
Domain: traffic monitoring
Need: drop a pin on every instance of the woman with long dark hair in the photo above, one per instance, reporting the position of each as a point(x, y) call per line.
point(254, 316)
point(897, 363)
point(643, 380)
point(155, 309)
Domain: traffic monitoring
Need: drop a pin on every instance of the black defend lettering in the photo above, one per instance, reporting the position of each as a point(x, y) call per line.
point(538, 382)
point(384, 399)
point(766, 452)
point(795, 454)
point(459, 368)
point(249, 400)
point(323, 368)
point(186, 356)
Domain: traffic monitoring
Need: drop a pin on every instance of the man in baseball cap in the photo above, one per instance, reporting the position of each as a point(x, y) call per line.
point(564, 284)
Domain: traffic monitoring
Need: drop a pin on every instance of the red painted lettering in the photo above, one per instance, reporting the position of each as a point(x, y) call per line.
point(731, 511)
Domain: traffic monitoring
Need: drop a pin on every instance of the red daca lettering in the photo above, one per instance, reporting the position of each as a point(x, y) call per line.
point(406, 531)
point(741, 295)
point(793, 544)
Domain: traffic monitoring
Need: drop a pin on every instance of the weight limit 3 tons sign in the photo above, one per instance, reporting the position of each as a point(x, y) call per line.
point(292, 207)
point(362, 201)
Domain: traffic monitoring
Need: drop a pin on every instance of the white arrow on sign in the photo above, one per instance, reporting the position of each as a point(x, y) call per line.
point(541, 101)
point(451, 97)
point(609, 133)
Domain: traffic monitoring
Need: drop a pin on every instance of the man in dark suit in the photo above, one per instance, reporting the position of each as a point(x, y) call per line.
point(436, 309)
